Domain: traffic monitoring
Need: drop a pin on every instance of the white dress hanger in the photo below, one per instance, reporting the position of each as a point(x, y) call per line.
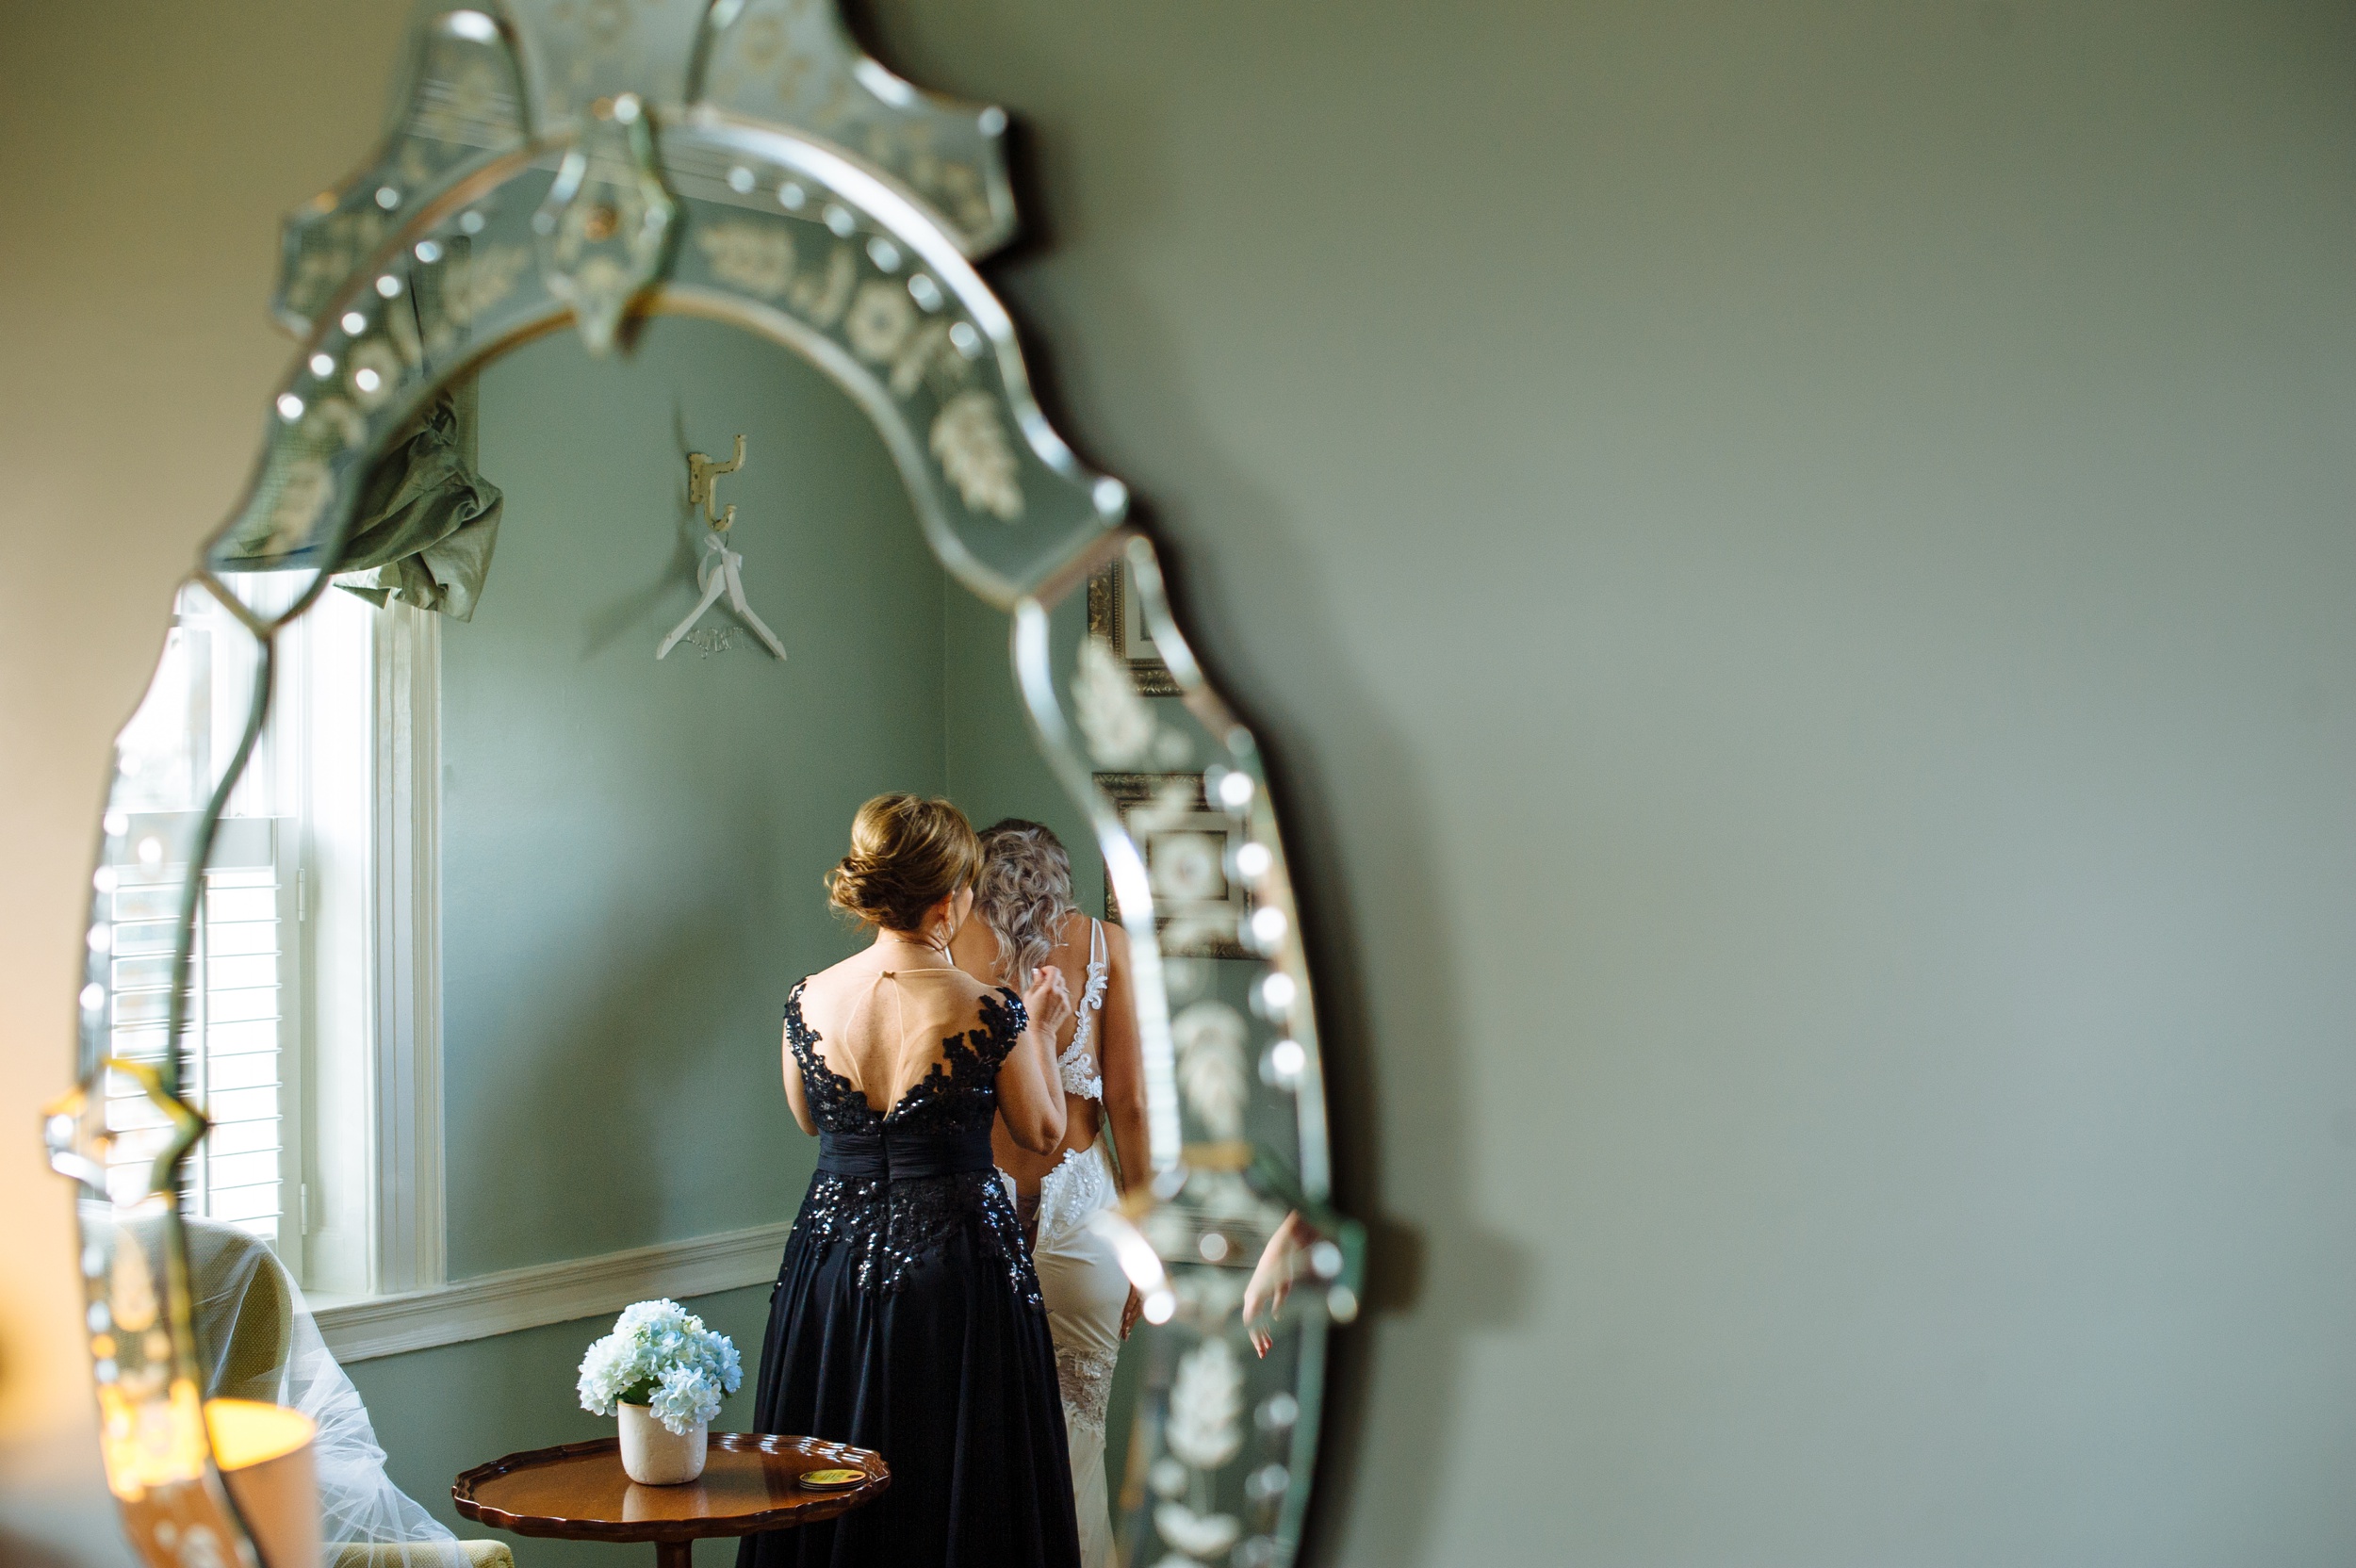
point(719, 571)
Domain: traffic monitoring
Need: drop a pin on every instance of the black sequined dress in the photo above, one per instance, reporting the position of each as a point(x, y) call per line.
point(907, 1319)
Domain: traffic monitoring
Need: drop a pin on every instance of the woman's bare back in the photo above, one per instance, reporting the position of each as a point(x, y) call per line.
point(880, 1018)
point(881, 1021)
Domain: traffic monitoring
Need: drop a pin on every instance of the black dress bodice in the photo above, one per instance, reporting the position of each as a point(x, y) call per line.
point(894, 1185)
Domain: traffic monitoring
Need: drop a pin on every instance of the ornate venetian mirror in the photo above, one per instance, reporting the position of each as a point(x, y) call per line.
point(404, 819)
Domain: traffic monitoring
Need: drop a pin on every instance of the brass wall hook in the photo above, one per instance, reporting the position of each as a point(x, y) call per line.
point(720, 571)
point(702, 485)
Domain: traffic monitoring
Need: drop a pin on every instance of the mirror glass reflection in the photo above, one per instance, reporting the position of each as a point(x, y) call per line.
point(552, 824)
point(493, 934)
point(633, 849)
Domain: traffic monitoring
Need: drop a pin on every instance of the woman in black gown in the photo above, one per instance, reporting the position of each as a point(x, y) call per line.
point(906, 1316)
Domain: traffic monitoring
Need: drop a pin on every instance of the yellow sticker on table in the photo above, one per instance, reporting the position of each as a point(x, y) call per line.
point(829, 1479)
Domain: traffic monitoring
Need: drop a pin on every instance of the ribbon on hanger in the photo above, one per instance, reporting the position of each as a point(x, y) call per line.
point(720, 570)
point(719, 573)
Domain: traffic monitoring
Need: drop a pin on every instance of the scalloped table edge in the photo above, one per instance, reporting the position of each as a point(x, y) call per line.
point(672, 1532)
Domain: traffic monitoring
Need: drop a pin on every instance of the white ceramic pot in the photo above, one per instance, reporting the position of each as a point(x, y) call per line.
point(652, 1454)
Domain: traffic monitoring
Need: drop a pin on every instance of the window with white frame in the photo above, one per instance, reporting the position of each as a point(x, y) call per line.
point(308, 1036)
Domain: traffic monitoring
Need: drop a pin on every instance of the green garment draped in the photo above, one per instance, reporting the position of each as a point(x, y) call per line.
point(421, 532)
point(426, 522)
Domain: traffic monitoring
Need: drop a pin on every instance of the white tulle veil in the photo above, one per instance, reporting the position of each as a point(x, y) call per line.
point(257, 1340)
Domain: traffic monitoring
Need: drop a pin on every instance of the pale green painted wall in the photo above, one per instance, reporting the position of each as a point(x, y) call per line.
point(1796, 557)
point(994, 766)
point(632, 850)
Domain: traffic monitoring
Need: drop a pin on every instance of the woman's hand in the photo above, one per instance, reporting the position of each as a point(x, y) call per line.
point(1271, 1282)
point(1131, 1308)
point(1048, 1000)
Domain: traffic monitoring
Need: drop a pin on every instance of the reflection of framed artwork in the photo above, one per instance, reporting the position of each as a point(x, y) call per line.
point(1200, 909)
point(1113, 615)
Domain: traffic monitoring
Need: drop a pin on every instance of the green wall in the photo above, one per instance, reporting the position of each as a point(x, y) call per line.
point(631, 850)
point(995, 769)
point(1794, 561)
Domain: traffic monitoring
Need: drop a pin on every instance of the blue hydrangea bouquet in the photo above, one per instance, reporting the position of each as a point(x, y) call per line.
point(660, 1355)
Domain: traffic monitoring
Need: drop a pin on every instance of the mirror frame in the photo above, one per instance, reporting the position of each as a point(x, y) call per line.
point(693, 157)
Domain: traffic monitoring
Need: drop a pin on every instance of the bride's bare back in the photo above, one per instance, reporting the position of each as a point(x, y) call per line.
point(1118, 1057)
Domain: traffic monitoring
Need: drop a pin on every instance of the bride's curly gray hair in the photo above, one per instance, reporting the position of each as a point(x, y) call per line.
point(1024, 893)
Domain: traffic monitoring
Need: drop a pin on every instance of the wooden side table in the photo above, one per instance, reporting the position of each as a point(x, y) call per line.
point(750, 1483)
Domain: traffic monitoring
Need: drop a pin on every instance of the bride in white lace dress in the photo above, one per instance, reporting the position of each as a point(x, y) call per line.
point(1026, 918)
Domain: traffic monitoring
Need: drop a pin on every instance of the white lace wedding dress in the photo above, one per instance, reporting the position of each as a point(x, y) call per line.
point(1081, 1278)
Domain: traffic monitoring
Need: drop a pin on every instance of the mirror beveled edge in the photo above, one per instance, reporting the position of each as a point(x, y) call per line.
point(539, 177)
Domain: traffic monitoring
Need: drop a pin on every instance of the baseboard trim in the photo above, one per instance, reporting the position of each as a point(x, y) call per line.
point(366, 1328)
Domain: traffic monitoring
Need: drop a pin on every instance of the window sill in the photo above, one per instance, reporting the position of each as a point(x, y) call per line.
point(362, 1327)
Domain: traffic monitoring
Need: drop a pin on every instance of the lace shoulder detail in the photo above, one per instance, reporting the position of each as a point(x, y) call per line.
point(1003, 1018)
point(835, 1102)
point(1077, 1065)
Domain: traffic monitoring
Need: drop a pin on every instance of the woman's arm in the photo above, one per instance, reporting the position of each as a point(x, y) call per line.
point(794, 1096)
point(1121, 1059)
point(1030, 1092)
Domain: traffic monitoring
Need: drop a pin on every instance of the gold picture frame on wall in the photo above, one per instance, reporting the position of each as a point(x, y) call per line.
point(1115, 618)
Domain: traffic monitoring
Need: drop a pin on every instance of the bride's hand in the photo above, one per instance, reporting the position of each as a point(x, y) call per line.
point(1048, 1000)
point(1131, 1308)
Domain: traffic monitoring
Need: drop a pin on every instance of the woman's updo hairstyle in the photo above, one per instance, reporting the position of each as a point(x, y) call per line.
point(908, 854)
point(1024, 893)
